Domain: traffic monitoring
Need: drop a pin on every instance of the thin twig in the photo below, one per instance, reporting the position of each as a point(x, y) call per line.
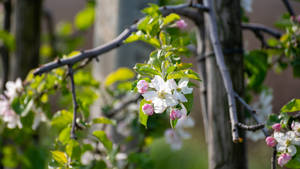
point(91, 53)
point(75, 104)
point(4, 49)
point(251, 111)
point(117, 42)
point(213, 33)
point(273, 159)
point(262, 28)
point(251, 127)
point(288, 7)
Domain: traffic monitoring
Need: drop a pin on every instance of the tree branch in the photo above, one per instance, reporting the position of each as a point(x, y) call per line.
point(288, 7)
point(50, 27)
point(259, 27)
point(117, 42)
point(4, 49)
point(75, 104)
point(252, 112)
point(213, 33)
point(273, 159)
point(251, 127)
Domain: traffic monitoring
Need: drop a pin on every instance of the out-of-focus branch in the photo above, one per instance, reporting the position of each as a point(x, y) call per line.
point(213, 33)
point(288, 7)
point(75, 104)
point(259, 27)
point(252, 112)
point(4, 49)
point(50, 27)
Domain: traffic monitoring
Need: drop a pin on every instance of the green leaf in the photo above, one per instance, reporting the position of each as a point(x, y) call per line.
point(60, 157)
point(189, 104)
point(173, 123)
point(121, 74)
point(143, 118)
point(7, 39)
point(17, 105)
point(152, 10)
point(104, 140)
point(171, 18)
point(64, 135)
point(164, 38)
point(73, 150)
point(183, 73)
point(272, 119)
point(291, 106)
point(85, 18)
point(62, 119)
point(145, 70)
point(104, 120)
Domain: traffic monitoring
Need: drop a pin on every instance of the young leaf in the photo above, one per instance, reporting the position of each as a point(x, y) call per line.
point(171, 18)
point(73, 150)
point(59, 157)
point(101, 135)
point(291, 106)
point(85, 18)
point(104, 120)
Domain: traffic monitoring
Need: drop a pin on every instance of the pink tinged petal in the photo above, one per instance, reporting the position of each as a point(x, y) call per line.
point(181, 24)
point(175, 114)
point(142, 86)
point(173, 139)
point(298, 18)
point(148, 109)
point(283, 159)
point(271, 142)
point(276, 127)
point(149, 95)
point(180, 96)
point(183, 82)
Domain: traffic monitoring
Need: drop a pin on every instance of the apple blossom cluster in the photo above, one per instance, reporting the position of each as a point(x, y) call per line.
point(165, 95)
point(7, 114)
point(286, 141)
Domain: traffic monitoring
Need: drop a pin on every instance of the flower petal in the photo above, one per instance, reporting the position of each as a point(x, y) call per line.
point(171, 100)
point(179, 96)
point(157, 83)
point(150, 95)
point(159, 105)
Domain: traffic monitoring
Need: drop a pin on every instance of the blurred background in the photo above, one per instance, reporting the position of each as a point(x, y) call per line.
point(112, 16)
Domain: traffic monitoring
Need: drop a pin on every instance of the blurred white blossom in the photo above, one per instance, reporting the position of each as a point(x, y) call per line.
point(247, 5)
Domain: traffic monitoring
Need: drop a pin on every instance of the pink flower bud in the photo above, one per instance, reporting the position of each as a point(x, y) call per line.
point(298, 19)
point(276, 127)
point(175, 114)
point(283, 159)
point(181, 24)
point(142, 86)
point(148, 109)
point(271, 142)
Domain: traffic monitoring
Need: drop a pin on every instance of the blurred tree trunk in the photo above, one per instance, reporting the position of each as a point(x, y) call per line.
point(27, 35)
point(223, 153)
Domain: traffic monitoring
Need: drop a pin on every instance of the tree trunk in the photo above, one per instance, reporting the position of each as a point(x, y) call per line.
point(27, 35)
point(223, 153)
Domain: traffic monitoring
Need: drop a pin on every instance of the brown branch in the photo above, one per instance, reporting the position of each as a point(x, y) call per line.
point(252, 112)
point(213, 33)
point(261, 28)
point(50, 27)
point(75, 104)
point(288, 7)
point(273, 159)
point(117, 42)
point(4, 49)
point(251, 127)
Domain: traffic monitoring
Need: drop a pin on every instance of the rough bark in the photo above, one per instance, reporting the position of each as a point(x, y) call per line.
point(223, 153)
point(27, 35)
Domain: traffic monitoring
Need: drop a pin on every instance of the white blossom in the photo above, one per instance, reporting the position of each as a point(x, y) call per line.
point(247, 5)
point(286, 142)
point(182, 89)
point(161, 97)
point(87, 158)
point(13, 88)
